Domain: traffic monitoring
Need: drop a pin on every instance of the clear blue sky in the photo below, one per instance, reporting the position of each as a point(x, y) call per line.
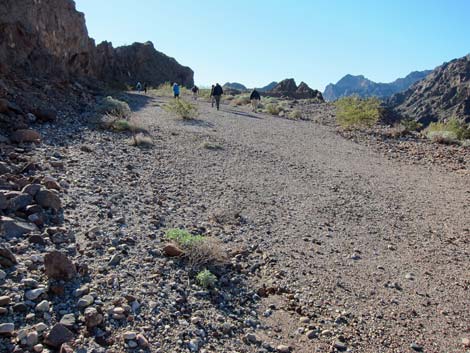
point(256, 42)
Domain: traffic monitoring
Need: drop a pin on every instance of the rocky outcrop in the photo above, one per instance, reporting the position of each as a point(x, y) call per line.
point(139, 62)
point(443, 94)
point(359, 85)
point(289, 89)
point(49, 40)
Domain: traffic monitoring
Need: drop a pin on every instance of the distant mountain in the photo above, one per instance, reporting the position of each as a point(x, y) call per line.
point(359, 85)
point(235, 85)
point(268, 87)
point(443, 94)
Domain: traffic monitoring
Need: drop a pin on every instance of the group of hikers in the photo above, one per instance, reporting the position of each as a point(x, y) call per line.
point(215, 96)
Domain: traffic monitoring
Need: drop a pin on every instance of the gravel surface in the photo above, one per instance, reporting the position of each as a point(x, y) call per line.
point(331, 246)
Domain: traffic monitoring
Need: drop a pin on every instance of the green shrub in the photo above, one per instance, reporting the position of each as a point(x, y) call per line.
point(114, 107)
point(206, 279)
point(182, 108)
point(450, 131)
point(273, 109)
point(353, 112)
point(211, 145)
point(411, 125)
point(183, 238)
point(295, 115)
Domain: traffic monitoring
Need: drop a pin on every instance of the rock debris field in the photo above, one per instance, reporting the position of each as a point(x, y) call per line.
point(326, 244)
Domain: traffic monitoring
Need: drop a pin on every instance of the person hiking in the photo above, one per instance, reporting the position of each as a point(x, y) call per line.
point(217, 93)
point(145, 87)
point(212, 96)
point(138, 86)
point(195, 91)
point(255, 98)
point(176, 90)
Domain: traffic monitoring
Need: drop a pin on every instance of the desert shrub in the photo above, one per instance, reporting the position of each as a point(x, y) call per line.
point(465, 143)
point(183, 238)
point(206, 279)
point(198, 249)
point(273, 109)
point(295, 115)
point(354, 112)
point(141, 140)
point(114, 107)
point(411, 125)
point(242, 99)
point(182, 108)
point(205, 93)
point(450, 131)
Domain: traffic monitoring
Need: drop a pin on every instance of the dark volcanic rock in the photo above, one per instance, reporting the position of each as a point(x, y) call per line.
point(288, 88)
point(49, 39)
point(359, 85)
point(58, 336)
point(443, 94)
point(7, 259)
point(58, 266)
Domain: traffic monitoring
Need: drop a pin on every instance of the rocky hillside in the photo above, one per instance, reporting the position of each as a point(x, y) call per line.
point(268, 87)
point(49, 39)
point(359, 85)
point(288, 88)
point(443, 94)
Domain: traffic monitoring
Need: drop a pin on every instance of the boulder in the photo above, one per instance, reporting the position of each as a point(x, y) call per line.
point(58, 266)
point(3, 202)
point(20, 202)
point(58, 336)
point(15, 228)
point(4, 168)
point(7, 259)
point(92, 318)
point(48, 199)
point(172, 250)
point(45, 114)
point(25, 135)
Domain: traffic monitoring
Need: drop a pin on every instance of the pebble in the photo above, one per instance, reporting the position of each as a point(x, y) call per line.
point(132, 344)
point(38, 348)
point(283, 349)
point(43, 306)
point(129, 335)
point(311, 334)
point(33, 294)
point(40, 327)
point(5, 300)
point(32, 339)
point(416, 347)
point(341, 346)
point(85, 301)
point(3, 275)
point(7, 329)
point(466, 342)
point(142, 341)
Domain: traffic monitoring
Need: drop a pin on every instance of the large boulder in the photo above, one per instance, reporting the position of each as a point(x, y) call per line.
point(48, 199)
point(15, 228)
point(25, 135)
point(58, 266)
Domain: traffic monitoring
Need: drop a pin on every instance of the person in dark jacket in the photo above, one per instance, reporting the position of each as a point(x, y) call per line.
point(195, 91)
point(217, 94)
point(255, 98)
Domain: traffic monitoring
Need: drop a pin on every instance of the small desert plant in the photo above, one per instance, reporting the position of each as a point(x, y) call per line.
point(211, 145)
point(411, 125)
point(183, 238)
point(353, 112)
point(198, 250)
point(182, 108)
point(206, 279)
point(295, 115)
point(114, 107)
point(273, 109)
point(141, 140)
point(448, 132)
point(242, 99)
point(465, 143)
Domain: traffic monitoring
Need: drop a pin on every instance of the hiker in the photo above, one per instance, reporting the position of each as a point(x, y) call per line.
point(145, 87)
point(195, 91)
point(217, 94)
point(212, 96)
point(255, 98)
point(176, 90)
point(138, 86)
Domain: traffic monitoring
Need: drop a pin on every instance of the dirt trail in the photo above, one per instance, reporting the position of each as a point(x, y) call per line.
point(364, 254)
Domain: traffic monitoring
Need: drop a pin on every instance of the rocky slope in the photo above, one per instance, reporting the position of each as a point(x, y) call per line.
point(288, 88)
point(442, 94)
point(268, 87)
point(359, 85)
